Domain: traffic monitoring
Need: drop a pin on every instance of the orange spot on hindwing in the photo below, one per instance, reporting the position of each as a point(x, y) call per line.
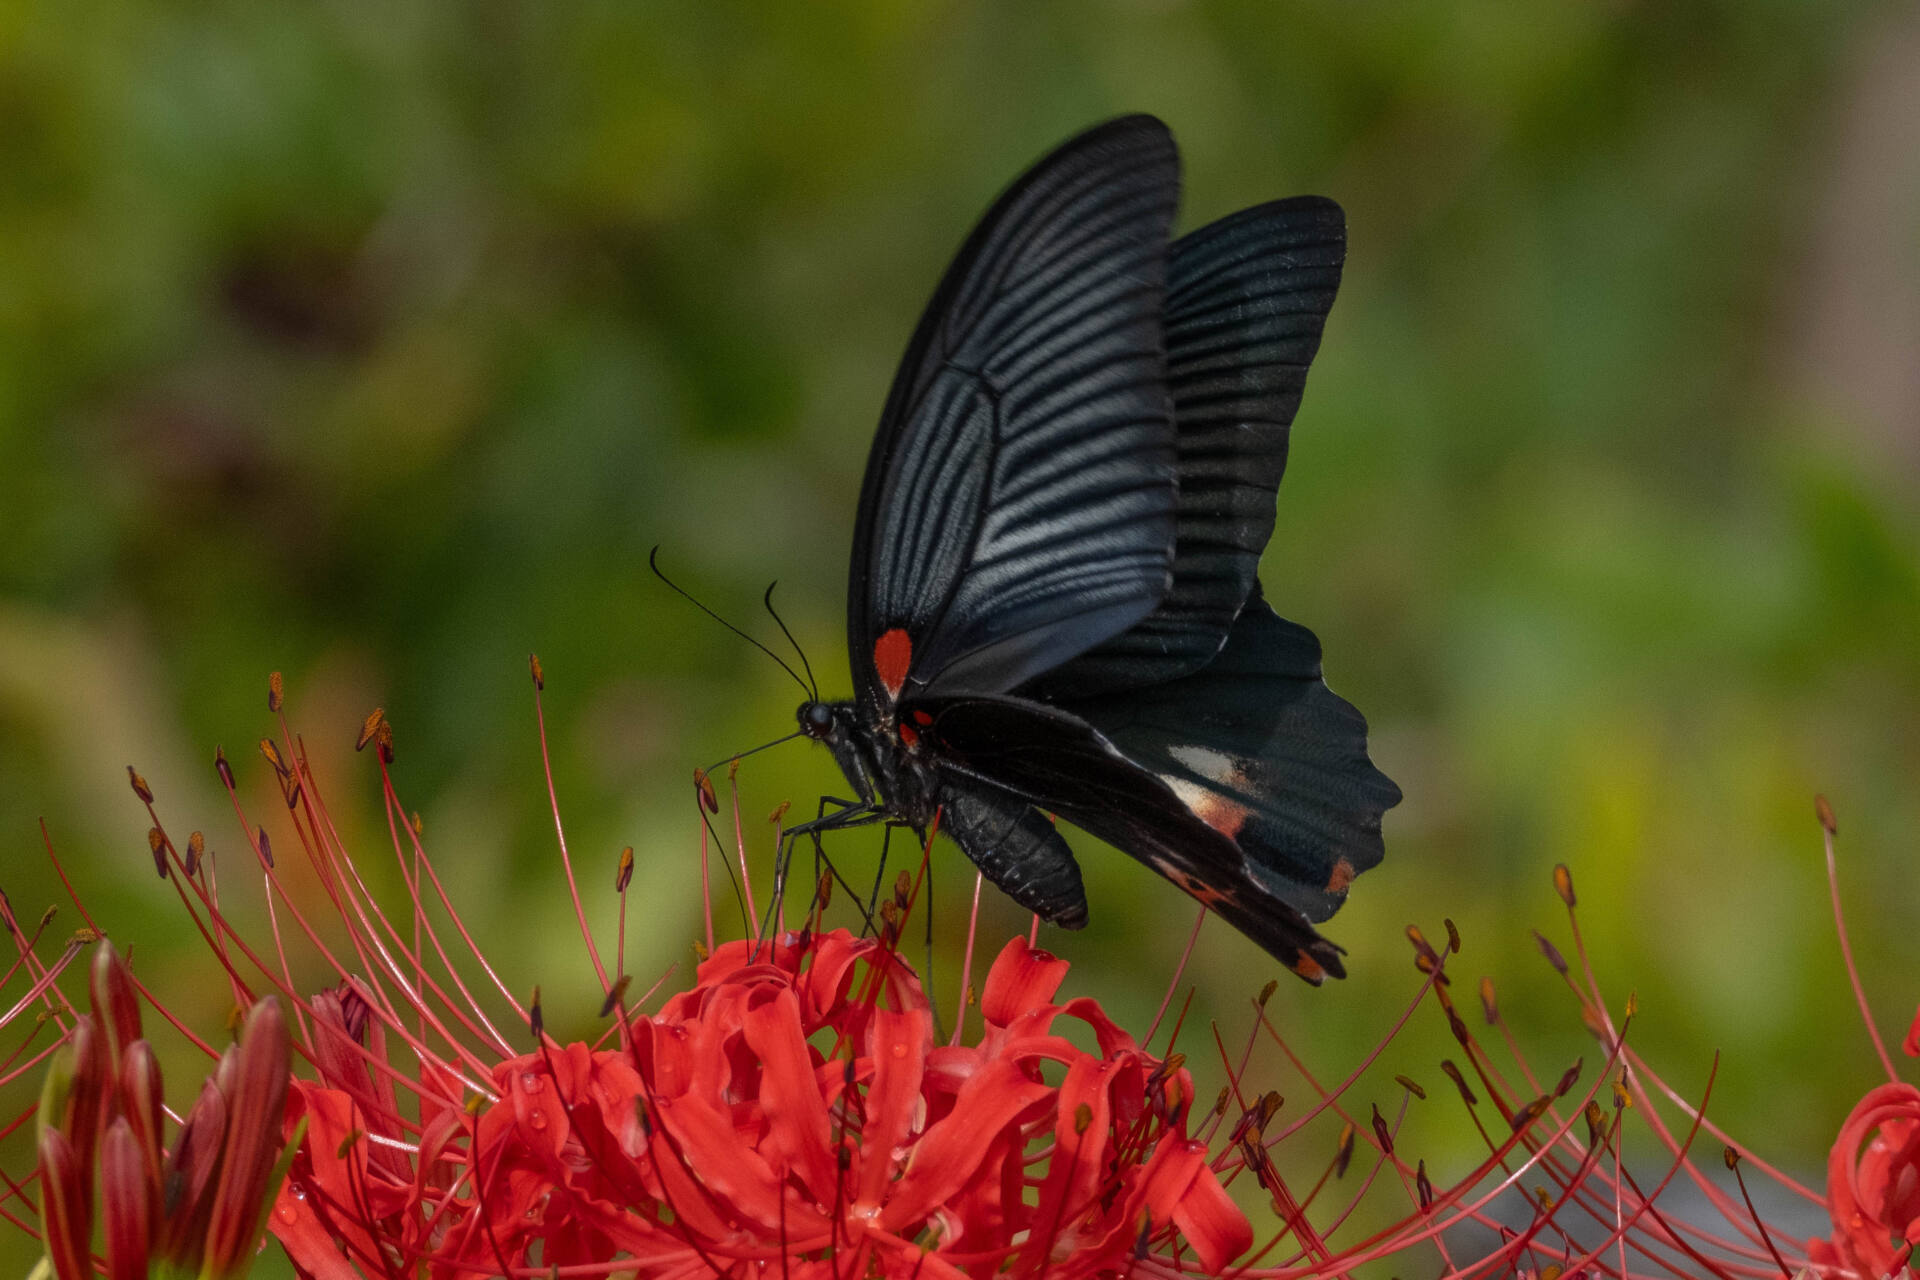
point(1342, 876)
point(892, 655)
point(1212, 808)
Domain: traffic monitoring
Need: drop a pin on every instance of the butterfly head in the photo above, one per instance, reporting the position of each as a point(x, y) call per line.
point(816, 720)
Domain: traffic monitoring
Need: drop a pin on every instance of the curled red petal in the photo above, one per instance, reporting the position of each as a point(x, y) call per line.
point(799, 1129)
point(1022, 978)
point(300, 1232)
point(1873, 1179)
point(1912, 1043)
point(734, 1174)
point(1211, 1222)
point(954, 1150)
point(897, 1044)
point(1082, 1132)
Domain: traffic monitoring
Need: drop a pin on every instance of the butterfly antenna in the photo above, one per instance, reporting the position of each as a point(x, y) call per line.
point(742, 755)
point(780, 622)
point(653, 563)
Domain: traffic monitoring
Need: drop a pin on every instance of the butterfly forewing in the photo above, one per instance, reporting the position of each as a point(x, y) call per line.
point(1019, 499)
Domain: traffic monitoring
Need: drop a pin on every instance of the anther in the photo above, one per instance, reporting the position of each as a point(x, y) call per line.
point(1531, 1112)
point(617, 996)
point(1569, 1078)
point(1459, 1082)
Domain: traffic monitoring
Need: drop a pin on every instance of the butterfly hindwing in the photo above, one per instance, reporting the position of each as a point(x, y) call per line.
point(1018, 505)
point(1058, 762)
point(1258, 745)
point(1247, 298)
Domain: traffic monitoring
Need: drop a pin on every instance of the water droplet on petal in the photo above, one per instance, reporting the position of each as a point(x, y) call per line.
point(537, 1120)
point(529, 1082)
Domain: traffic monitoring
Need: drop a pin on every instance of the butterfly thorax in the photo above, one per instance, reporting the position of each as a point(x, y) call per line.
point(877, 763)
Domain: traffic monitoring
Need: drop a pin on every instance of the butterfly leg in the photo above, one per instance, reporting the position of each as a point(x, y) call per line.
point(850, 814)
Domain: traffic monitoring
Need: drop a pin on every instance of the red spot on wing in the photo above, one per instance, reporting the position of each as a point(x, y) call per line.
point(892, 655)
point(923, 718)
point(908, 736)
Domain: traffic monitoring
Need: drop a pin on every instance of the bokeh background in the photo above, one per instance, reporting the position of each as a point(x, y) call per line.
point(377, 345)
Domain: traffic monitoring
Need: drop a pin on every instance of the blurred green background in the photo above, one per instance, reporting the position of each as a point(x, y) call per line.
point(376, 345)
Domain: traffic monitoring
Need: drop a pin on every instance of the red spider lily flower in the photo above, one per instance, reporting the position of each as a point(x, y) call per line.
point(1873, 1169)
point(724, 1135)
point(1873, 1185)
point(198, 1207)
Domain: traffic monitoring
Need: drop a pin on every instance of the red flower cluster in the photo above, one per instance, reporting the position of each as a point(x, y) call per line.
point(791, 1112)
point(797, 1113)
point(194, 1207)
point(1873, 1185)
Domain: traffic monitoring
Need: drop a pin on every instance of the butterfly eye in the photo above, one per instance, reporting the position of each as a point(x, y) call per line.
point(816, 719)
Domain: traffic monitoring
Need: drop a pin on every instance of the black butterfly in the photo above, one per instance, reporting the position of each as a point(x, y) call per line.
point(1053, 606)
